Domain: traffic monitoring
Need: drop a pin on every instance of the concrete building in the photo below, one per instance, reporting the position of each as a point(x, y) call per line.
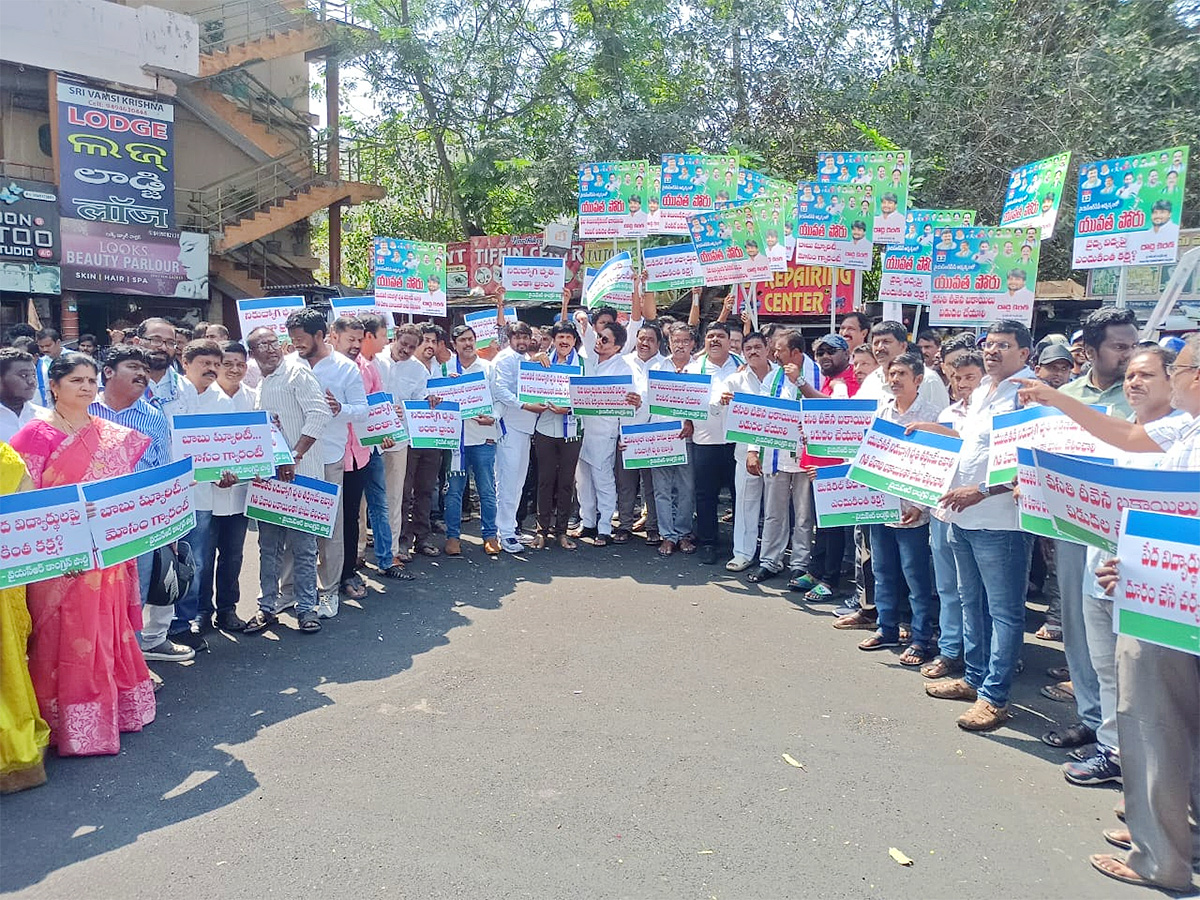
point(161, 129)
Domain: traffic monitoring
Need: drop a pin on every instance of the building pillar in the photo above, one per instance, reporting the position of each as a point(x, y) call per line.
point(69, 316)
point(332, 120)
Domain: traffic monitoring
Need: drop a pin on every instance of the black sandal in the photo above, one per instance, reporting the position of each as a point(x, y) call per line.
point(916, 655)
point(310, 622)
point(1074, 736)
point(399, 573)
point(261, 621)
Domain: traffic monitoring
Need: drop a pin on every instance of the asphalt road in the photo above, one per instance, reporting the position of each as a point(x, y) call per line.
point(597, 724)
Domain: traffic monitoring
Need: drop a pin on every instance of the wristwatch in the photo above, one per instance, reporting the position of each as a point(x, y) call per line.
point(991, 491)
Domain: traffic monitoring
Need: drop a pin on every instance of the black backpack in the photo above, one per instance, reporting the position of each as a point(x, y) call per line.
point(171, 574)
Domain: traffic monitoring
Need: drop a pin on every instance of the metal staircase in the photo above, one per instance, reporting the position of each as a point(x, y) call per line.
point(258, 201)
point(239, 32)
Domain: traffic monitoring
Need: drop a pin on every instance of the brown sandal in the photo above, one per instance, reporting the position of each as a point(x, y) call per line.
point(602, 540)
point(687, 546)
point(566, 543)
point(940, 667)
point(666, 548)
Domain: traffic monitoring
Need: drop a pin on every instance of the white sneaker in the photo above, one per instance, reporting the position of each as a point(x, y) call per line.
point(525, 539)
point(511, 545)
point(737, 564)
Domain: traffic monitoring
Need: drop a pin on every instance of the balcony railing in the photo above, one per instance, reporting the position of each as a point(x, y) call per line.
point(237, 22)
point(264, 105)
point(232, 199)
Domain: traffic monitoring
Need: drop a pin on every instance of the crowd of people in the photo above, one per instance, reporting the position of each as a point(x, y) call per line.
point(945, 587)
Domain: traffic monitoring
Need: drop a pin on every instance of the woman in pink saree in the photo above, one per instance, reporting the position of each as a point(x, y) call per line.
point(88, 673)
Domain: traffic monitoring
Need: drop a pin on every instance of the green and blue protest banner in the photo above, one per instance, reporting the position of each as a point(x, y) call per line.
point(1129, 209)
point(137, 513)
point(980, 275)
point(1085, 498)
point(885, 174)
point(302, 504)
point(1034, 194)
point(1156, 598)
point(729, 245)
point(917, 467)
point(906, 267)
point(410, 276)
point(838, 501)
point(653, 445)
point(672, 268)
point(610, 285)
point(834, 225)
point(690, 183)
point(613, 199)
point(43, 534)
point(237, 442)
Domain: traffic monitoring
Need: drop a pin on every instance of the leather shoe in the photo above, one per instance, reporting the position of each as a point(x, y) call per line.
point(708, 555)
point(229, 621)
point(762, 573)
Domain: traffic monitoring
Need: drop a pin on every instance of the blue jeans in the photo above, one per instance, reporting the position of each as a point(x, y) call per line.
point(480, 461)
point(187, 608)
point(901, 561)
point(993, 574)
point(1070, 561)
point(221, 565)
point(370, 480)
point(274, 542)
point(945, 575)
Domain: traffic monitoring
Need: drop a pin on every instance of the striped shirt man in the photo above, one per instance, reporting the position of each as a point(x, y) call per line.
point(145, 419)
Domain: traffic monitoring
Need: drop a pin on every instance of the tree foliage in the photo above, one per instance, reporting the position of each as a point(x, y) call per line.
point(491, 106)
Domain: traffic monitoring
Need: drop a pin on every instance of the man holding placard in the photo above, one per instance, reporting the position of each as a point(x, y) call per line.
point(404, 377)
point(674, 491)
point(293, 398)
point(126, 375)
point(363, 466)
point(517, 422)
point(991, 551)
point(713, 455)
point(347, 400)
point(199, 395)
point(595, 479)
point(476, 452)
point(1158, 711)
point(1109, 338)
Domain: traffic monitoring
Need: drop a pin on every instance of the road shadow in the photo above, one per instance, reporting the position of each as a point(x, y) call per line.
point(182, 765)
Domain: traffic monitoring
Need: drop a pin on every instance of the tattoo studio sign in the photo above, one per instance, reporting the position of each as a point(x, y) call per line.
point(116, 157)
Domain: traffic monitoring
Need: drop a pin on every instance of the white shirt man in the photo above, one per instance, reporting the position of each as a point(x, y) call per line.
point(517, 422)
point(595, 479)
point(769, 380)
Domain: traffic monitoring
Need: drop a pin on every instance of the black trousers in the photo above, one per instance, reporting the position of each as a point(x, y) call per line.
point(556, 459)
point(714, 468)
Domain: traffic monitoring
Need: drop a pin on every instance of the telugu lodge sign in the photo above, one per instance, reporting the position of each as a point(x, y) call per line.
point(116, 158)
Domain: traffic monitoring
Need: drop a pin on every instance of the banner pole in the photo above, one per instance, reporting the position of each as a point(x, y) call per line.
point(1122, 288)
point(833, 274)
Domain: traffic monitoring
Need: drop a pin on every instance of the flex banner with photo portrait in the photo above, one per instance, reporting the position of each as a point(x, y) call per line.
point(614, 199)
point(980, 275)
point(834, 226)
point(885, 175)
point(1034, 194)
point(906, 267)
point(1129, 209)
point(692, 183)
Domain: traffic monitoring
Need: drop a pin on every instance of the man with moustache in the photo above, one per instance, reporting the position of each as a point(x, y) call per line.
point(126, 376)
point(295, 401)
point(347, 399)
point(517, 421)
point(405, 378)
point(200, 395)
